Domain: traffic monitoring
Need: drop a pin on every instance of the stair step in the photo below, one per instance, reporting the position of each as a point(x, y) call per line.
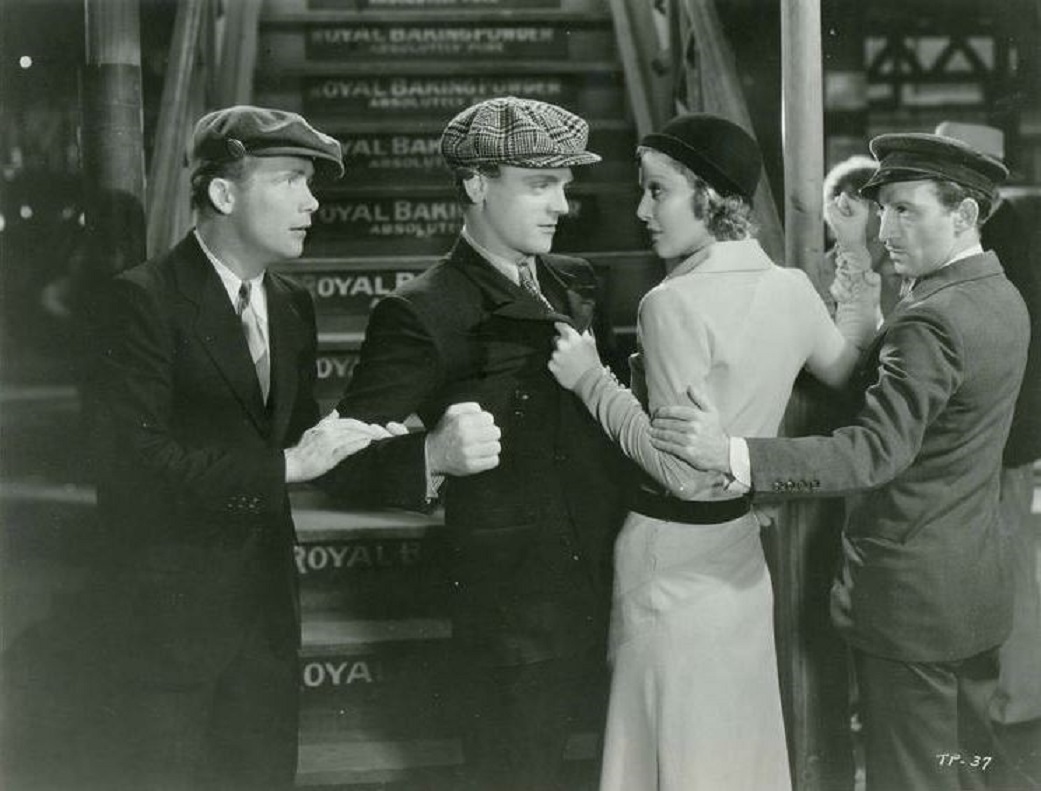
point(598, 94)
point(378, 564)
point(331, 71)
point(388, 155)
point(329, 634)
point(345, 288)
point(409, 225)
point(456, 13)
point(317, 8)
point(372, 124)
point(364, 762)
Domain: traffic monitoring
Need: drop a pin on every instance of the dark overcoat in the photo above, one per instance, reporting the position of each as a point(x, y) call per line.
point(191, 486)
point(531, 539)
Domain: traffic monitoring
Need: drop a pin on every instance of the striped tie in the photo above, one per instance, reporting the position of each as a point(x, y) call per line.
point(254, 339)
point(527, 282)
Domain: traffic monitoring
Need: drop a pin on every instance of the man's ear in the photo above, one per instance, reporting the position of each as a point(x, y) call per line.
point(222, 195)
point(475, 186)
point(966, 215)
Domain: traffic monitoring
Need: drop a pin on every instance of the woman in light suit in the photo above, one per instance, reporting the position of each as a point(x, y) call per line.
point(695, 704)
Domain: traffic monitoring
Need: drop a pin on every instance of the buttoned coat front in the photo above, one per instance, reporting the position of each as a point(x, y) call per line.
point(191, 486)
point(531, 538)
point(925, 567)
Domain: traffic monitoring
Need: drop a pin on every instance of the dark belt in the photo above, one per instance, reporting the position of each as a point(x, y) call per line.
point(691, 512)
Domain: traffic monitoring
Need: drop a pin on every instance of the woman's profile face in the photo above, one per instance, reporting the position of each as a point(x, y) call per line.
point(667, 208)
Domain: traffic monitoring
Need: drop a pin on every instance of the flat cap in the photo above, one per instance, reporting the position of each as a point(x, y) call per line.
point(231, 133)
point(914, 156)
point(717, 150)
point(524, 133)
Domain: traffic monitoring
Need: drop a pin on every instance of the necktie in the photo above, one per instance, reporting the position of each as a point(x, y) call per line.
point(905, 286)
point(527, 282)
point(254, 339)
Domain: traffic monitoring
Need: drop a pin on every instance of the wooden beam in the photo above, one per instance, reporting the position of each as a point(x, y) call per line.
point(806, 547)
point(113, 137)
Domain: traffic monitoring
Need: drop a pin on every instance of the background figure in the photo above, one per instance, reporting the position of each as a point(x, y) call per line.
point(1016, 709)
point(185, 640)
point(858, 234)
point(924, 595)
point(695, 702)
point(465, 346)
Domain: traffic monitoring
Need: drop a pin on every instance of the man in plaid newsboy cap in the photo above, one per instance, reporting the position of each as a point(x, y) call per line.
point(531, 485)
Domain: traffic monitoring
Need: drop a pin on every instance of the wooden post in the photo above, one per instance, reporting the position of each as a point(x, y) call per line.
point(113, 137)
point(805, 548)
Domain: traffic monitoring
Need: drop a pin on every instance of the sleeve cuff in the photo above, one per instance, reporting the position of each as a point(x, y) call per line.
point(434, 481)
point(740, 480)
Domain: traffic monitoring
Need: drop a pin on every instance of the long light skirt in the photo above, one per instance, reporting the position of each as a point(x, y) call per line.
point(695, 703)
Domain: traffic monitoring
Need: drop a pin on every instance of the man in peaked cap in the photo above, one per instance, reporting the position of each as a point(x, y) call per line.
point(1016, 708)
point(525, 474)
point(206, 412)
point(924, 595)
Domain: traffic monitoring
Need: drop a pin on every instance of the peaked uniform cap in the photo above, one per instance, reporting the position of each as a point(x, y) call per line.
point(524, 133)
point(914, 156)
point(716, 150)
point(231, 133)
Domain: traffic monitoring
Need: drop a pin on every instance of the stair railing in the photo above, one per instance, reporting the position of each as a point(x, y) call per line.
point(645, 64)
point(211, 63)
point(704, 78)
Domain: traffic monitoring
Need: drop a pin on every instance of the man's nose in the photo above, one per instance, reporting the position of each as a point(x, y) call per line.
point(885, 225)
point(558, 202)
point(310, 201)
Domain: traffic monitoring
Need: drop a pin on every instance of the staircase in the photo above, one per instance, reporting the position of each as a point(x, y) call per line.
point(378, 668)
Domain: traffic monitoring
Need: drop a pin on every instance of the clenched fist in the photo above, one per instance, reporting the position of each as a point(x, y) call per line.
point(464, 442)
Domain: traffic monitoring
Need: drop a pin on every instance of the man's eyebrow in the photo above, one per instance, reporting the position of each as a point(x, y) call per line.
point(535, 177)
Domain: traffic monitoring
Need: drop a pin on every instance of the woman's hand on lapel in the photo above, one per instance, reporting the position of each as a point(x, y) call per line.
point(573, 355)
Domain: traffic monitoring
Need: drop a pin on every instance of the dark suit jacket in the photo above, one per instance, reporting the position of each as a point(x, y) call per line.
point(532, 538)
point(925, 560)
point(1007, 234)
point(191, 481)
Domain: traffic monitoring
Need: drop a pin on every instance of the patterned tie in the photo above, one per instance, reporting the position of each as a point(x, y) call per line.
point(905, 286)
point(527, 281)
point(254, 339)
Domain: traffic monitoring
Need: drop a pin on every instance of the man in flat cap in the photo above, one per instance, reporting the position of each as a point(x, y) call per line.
point(924, 596)
point(205, 413)
point(525, 474)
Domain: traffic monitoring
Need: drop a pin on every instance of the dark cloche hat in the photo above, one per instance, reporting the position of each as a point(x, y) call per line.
point(525, 133)
point(715, 149)
point(233, 132)
point(914, 156)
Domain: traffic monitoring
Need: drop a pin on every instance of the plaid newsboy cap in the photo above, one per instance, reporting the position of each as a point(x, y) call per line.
point(521, 132)
point(915, 156)
point(233, 132)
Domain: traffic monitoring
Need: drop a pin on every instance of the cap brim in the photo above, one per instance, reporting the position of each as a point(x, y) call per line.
point(542, 161)
point(327, 166)
point(883, 177)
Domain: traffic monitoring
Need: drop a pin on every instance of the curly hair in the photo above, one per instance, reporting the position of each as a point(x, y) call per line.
point(727, 217)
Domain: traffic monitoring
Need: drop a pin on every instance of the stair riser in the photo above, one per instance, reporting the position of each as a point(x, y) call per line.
point(407, 97)
point(414, 158)
point(373, 579)
point(434, 40)
point(428, 226)
point(431, 6)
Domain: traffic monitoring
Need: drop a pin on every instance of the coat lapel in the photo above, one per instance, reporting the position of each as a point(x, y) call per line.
point(219, 330)
point(506, 299)
point(286, 339)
